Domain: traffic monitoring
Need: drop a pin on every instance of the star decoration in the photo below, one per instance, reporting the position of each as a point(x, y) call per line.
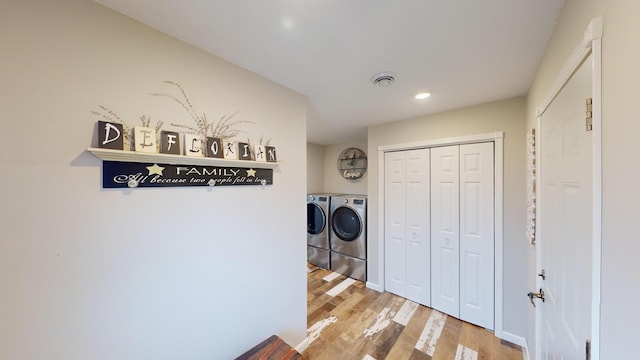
point(251, 172)
point(155, 169)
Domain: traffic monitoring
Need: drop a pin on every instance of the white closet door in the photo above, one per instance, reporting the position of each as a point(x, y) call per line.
point(418, 230)
point(407, 243)
point(477, 234)
point(395, 223)
point(445, 236)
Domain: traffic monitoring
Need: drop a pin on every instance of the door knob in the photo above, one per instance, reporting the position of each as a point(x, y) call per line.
point(538, 295)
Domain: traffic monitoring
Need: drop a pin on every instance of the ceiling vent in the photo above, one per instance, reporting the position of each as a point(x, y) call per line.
point(383, 79)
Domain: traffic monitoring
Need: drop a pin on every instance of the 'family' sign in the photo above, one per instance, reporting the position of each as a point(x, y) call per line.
point(117, 174)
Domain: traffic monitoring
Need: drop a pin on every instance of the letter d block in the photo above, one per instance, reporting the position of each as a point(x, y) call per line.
point(110, 135)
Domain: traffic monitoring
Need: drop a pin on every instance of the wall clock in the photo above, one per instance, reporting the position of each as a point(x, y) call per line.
point(352, 163)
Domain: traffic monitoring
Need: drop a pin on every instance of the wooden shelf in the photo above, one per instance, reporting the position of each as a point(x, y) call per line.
point(133, 156)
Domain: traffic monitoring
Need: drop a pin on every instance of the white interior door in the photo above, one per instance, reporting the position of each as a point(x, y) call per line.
point(418, 227)
point(564, 226)
point(445, 235)
point(439, 229)
point(395, 218)
point(407, 252)
point(477, 234)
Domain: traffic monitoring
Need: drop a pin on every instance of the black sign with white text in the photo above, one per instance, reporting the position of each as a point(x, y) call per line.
point(117, 174)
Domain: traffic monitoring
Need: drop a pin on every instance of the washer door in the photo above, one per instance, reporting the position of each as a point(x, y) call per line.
point(346, 224)
point(316, 219)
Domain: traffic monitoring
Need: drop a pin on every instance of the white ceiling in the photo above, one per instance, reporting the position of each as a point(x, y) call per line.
point(464, 52)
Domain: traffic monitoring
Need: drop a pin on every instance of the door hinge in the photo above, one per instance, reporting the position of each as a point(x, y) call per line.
point(543, 274)
point(589, 114)
point(588, 350)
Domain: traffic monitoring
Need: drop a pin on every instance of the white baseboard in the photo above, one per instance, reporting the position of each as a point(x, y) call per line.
point(375, 286)
point(518, 340)
point(525, 353)
point(303, 345)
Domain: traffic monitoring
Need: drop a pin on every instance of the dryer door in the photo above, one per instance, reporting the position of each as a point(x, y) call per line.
point(346, 224)
point(316, 219)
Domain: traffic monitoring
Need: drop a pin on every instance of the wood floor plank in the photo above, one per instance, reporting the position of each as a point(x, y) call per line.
point(348, 303)
point(431, 333)
point(340, 326)
point(322, 351)
point(385, 341)
point(358, 324)
point(417, 322)
point(510, 351)
point(488, 345)
point(321, 313)
point(378, 337)
point(448, 343)
point(380, 301)
point(406, 311)
point(325, 286)
point(319, 302)
point(366, 302)
point(418, 355)
point(347, 293)
point(405, 344)
point(383, 320)
point(363, 343)
point(470, 336)
point(345, 312)
point(314, 332)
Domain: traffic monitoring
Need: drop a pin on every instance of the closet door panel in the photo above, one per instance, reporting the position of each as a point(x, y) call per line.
point(395, 223)
point(477, 234)
point(445, 236)
point(418, 231)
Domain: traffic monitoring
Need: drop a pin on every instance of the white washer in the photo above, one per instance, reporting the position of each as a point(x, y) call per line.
point(318, 230)
point(348, 235)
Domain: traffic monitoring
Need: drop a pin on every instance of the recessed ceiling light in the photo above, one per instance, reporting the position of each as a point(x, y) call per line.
point(422, 95)
point(287, 23)
point(383, 79)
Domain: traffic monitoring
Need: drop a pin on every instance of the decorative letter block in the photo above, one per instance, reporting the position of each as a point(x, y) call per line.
point(261, 155)
point(169, 142)
point(230, 151)
point(214, 148)
point(110, 135)
point(244, 151)
point(271, 154)
point(192, 145)
point(145, 139)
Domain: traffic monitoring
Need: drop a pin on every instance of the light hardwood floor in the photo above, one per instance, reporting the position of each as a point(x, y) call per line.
point(347, 321)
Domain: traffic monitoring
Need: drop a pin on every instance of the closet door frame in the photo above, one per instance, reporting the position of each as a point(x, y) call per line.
point(498, 139)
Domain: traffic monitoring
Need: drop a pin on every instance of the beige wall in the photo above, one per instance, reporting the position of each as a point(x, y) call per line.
point(333, 181)
point(507, 116)
point(315, 168)
point(180, 273)
point(322, 171)
point(620, 128)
